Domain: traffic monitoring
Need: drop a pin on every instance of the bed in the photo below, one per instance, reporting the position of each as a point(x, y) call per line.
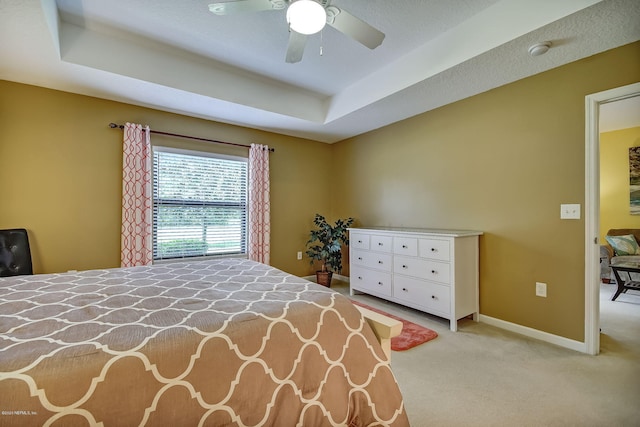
point(226, 342)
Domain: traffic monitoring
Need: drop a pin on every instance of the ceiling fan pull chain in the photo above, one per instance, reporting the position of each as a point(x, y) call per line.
point(321, 41)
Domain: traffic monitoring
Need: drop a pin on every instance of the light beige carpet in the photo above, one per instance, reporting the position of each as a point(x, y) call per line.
point(485, 376)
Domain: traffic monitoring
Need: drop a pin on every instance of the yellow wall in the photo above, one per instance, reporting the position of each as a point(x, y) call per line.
point(501, 162)
point(614, 179)
point(61, 172)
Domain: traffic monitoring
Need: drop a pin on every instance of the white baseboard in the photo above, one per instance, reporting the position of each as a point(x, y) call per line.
point(335, 275)
point(513, 327)
point(534, 333)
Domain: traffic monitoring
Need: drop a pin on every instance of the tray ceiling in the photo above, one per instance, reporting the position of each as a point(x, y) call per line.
point(179, 57)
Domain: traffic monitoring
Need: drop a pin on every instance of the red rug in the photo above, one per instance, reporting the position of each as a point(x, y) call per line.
point(412, 334)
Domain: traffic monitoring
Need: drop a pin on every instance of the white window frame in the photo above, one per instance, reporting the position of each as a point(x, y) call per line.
point(163, 149)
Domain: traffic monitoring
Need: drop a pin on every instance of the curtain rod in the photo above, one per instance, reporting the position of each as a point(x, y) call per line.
point(113, 126)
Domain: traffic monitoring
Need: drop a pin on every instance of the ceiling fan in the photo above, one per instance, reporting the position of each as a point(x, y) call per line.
point(302, 12)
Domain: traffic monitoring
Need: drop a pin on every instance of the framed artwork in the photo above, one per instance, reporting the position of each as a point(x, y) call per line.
point(634, 180)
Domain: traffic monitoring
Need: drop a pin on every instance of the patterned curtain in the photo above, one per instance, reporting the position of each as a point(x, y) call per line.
point(259, 207)
point(136, 242)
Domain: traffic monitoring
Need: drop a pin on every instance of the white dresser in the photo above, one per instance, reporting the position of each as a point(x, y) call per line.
point(435, 271)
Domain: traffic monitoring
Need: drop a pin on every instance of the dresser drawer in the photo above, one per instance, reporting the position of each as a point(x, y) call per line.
point(430, 295)
point(434, 249)
point(379, 261)
point(381, 243)
point(405, 246)
point(422, 268)
point(374, 281)
point(359, 241)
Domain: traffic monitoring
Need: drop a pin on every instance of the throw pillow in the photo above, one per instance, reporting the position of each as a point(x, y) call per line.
point(624, 245)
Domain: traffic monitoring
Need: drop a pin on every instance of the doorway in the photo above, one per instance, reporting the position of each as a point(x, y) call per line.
point(592, 209)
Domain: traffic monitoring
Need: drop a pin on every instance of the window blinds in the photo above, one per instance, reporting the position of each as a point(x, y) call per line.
point(199, 204)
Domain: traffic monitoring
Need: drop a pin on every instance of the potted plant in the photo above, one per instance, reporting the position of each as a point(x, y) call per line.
point(325, 245)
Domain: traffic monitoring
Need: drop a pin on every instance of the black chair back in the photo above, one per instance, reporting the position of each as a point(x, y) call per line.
point(15, 253)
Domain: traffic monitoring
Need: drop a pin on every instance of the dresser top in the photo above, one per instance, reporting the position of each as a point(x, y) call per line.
point(426, 231)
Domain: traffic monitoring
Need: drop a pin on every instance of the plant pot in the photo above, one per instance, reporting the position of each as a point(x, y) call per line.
point(324, 278)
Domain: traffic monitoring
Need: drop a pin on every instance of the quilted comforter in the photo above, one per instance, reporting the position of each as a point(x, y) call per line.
point(220, 343)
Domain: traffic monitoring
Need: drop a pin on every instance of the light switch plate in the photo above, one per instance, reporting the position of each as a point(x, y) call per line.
point(541, 289)
point(570, 211)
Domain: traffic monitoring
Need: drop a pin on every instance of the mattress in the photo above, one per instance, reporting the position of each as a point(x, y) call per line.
point(226, 342)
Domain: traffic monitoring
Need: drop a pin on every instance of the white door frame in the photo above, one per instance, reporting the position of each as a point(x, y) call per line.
point(592, 210)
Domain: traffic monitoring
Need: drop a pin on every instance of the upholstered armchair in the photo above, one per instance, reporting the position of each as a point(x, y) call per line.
point(625, 251)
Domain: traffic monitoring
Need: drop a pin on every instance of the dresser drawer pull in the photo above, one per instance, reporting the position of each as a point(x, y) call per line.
point(379, 262)
point(434, 250)
point(380, 283)
point(359, 277)
point(404, 266)
point(405, 290)
point(380, 244)
point(359, 241)
point(434, 272)
point(433, 297)
point(360, 258)
point(404, 246)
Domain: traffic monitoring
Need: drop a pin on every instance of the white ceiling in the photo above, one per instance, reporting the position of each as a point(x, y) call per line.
point(621, 114)
point(177, 56)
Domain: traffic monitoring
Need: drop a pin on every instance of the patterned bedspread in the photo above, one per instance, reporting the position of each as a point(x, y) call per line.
point(219, 343)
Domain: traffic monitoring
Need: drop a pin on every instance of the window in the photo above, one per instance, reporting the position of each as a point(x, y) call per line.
point(199, 204)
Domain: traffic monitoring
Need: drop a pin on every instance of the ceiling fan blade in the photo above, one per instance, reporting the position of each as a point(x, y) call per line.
point(354, 27)
point(295, 48)
point(244, 6)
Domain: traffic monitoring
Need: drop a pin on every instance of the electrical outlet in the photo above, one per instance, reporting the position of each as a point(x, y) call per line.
point(541, 289)
point(299, 255)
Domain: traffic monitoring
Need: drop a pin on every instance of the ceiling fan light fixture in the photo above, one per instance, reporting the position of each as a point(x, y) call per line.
point(306, 17)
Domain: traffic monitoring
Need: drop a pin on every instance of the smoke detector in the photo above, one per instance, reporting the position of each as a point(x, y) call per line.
point(539, 48)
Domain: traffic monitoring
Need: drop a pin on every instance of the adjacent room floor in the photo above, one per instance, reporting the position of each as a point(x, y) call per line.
point(486, 376)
